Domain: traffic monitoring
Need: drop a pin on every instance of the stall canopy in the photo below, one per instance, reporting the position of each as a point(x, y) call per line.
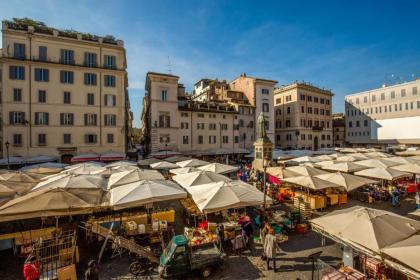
point(148, 161)
point(121, 168)
point(347, 181)
point(280, 172)
point(199, 178)
point(163, 165)
point(5, 191)
point(326, 162)
point(366, 228)
point(131, 176)
point(20, 182)
point(218, 196)
point(310, 182)
point(409, 167)
point(11, 161)
point(219, 168)
point(377, 155)
point(74, 182)
point(88, 163)
point(302, 160)
point(46, 202)
point(344, 167)
point(85, 157)
point(306, 170)
point(349, 158)
point(378, 163)
point(175, 159)
point(164, 154)
point(144, 192)
point(406, 252)
point(85, 169)
point(383, 173)
point(121, 163)
point(44, 168)
point(192, 163)
point(403, 160)
point(112, 156)
point(183, 170)
point(325, 157)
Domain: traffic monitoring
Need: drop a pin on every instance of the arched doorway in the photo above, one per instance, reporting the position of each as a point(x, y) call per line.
point(315, 143)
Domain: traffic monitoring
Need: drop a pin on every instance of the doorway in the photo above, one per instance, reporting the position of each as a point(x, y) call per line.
point(316, 143)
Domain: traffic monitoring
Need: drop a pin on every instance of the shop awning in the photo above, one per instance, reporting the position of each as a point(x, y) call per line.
point(383, 173)
point(112, 156)
point(85, 157)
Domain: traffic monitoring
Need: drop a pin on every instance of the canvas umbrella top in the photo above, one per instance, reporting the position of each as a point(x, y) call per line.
point(377, 163)
point(163, 165)
point(175, 159)
point(409, 167)
point(144, 192)
point(344, 167)
point(347, 181)
point(377, 155)
point(17, 177)
point(148, 161)
point(370, 228)
point(6, 191)
point(383, 173)
point(306, 170)
point(183, 170)
point(406, 252)
point(225, 195)
point(325, 157)
point(281, 173)
point(219, 168)
point(326, 162)
point(303, 159)
point(131, 176)
point(199, 178)
point(44, 168)
point(121, 163)
point(311, 182)
point(85, 169)
point(403, 160)
point(74, 182)
point(192, 163)
point(86, 164)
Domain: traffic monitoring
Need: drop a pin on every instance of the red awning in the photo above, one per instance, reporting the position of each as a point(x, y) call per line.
point(112, 156)
point(85, 157)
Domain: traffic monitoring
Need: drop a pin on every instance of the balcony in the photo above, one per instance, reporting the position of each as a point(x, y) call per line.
point(317, 128)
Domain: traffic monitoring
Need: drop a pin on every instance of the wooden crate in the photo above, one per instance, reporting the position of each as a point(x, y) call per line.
point(67, 273)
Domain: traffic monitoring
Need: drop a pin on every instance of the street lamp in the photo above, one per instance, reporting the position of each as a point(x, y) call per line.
point(7, 153)
point(265, 161)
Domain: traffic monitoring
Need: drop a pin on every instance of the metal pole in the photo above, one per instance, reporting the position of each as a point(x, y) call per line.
point(7, 152)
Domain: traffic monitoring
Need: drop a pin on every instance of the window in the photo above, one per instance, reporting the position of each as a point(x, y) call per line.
point(350, 124)
point(328, 137)
point(385, 108)
point(302, 97)
point(66, 119)
point(400, 106)
point(164, 95)
point(403, 93)
point(327, 101)
point(406, 106)
point(322, 112)
point(110, 138)
point(323, 137)
point(185, 139)
point(42, 96)
point(278, 100)
point(418, 104)
point(309, 98)
point(241, 123)
point(90, 99)
point(164, 138)
point(327, 112)
point(17, 72)
point(91, 138)
point(316, 99)
point(395, 107)
point(278, 112)
point(17, 139)
point(110, 61)
point(316, 111)
point(110, 120)
point(414, 91)
point(287, 123)
point(288, 110)
point(16, 118)
point(90, 119)
point(164, 120)
point(212, 139)
point(288, 98)
point(265, 107)
point(17, 95)
point(90, 79)
point(41, 118)
point(67, 77)
point(224, 126)
point(236, 139)
point(265, 91)
point(411, 105)
point(365, 99)
point(365, 123)
point(109, 80)
point(302, 109)
point(67, 56)
point(392, 94)
point(383, 96)
point(42, 53)
point(200, 139)
point(67, 138)
point(42, 75)
point(373, 98)
point(19, 51)
point(67, 97)
point(90, 59)
point(309, 110)
point(322, 101)
point(357, 123)
point(225, 139)
point(42, 139)
point(184, 114)
point(302, 137)
point(110, 100)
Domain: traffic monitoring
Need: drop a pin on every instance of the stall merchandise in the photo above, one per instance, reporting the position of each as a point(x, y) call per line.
point(199, 236)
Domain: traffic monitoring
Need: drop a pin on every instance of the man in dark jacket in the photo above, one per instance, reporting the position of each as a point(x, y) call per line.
point(92, 273)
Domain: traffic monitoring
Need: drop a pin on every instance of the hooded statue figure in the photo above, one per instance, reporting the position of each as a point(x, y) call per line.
point(262, 134)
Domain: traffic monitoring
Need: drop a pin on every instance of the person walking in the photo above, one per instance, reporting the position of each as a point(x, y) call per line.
point(92, 273)
point(270, 249)
point(417, 200)
point(31, 269)
point(220, 231)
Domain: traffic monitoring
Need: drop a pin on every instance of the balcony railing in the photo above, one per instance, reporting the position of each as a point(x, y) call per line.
point(317, 128)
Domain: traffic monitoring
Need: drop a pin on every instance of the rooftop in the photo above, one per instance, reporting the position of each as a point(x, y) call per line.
point(304, 85)
point(385, 87)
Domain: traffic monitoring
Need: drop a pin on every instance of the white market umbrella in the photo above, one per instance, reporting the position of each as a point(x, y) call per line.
point(112, 156)
point(148, 161)
point(377, 163)
point(85, 169)
point(377, 155)
point(325, 157)
point(383, 173)
point(219, 168)
point(121, 163)
point(6, 191)
point(85, 157)
point(87, 164)
point(199, 178)
point(183, 170)
point(163, 165)
point(347, 181)
point(409, 167)
point(348, 158)
point(175, 159)
point(403, 160)
point(19, 181)
point(366, 228)
point(144, 192)
point(280, 172)
point(344, 167)
point(310, 182)
point(302, 160)
point(415, 213)
point(44, 168)
point(326, 162)
point(306, 170)
point(131, 176)
point(218, 196)
point(406, 252)
point(192, 163)
point(73, 182)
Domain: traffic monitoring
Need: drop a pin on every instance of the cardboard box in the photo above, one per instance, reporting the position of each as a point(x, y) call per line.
point(67, 273)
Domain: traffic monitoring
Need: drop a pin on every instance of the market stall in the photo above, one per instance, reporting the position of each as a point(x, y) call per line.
point(199, 178)
point(131, 176)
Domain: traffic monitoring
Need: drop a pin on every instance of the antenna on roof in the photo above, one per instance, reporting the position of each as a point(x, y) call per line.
point(169, 66)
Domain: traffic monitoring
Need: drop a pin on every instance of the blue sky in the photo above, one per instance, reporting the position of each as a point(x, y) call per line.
point(346, 46)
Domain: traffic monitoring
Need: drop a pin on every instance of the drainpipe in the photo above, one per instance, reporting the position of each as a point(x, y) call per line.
point(30, 96)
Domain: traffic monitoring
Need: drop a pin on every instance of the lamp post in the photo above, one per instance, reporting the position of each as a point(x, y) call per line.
point(7, 154)
point(166, 150)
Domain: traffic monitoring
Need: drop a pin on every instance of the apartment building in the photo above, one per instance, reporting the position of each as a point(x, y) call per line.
point(171, 120)
point(339, 130)
point(386, 115)
point(63, 92)
point(303, 117)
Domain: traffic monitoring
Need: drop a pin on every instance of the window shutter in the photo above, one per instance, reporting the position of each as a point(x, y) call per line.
point(47, 118)
point(61, 118)
point(23, 117)
point(37, 74)
point(62, 76)
point(114, 100)
point(62, 55)
point(86, 79)
point(106, 100)
point(23, 72)
point(70, 77)
point(94, 119)
point(86, 119)
point(168, 121)
point(36, 118)
point(47, 75)
point(11, 119)
point(71, 119)
point(94, 79)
